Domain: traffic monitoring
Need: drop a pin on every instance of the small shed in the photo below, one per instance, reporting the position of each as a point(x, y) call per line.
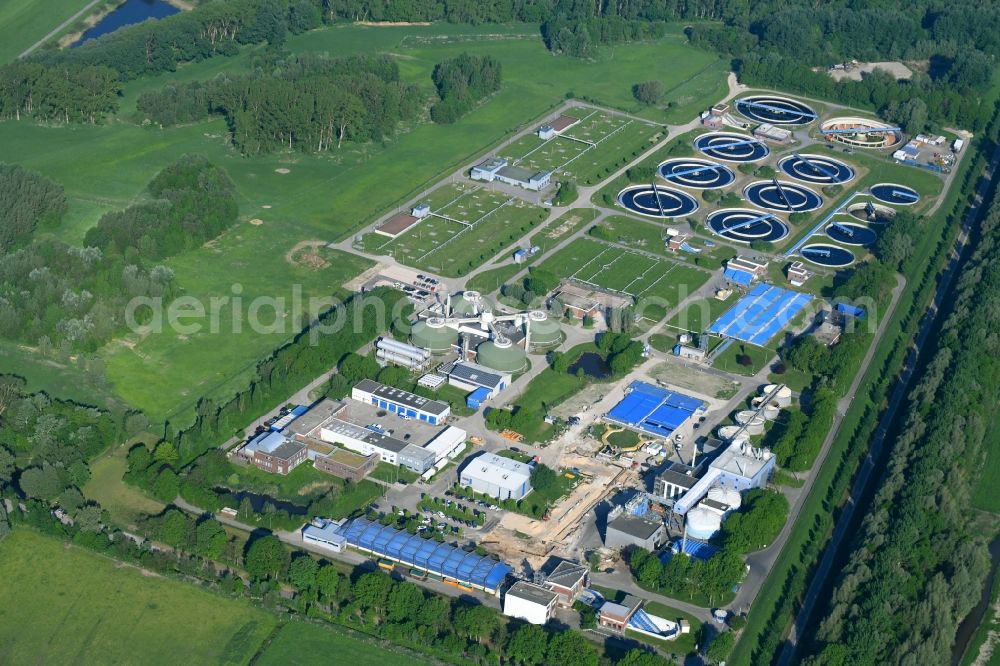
point(476, 399)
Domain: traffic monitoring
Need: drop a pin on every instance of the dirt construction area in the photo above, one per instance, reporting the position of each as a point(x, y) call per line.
point(519, 537)
point(686, 377)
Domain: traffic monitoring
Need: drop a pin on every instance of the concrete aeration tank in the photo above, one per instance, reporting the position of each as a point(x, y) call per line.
point(770, 411)
point(728, 433)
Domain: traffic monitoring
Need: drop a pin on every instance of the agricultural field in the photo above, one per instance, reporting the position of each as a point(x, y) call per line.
point(587, 151)
point(644, 277)
point(63, 605)
point(24, 22)
point(304, 644)
point(471, 225)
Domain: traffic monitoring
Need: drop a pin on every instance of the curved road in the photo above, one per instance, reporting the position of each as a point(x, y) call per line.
point(866, 473)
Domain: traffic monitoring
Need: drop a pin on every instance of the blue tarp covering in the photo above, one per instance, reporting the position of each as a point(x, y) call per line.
point(438, 558)
point(739, 277)
point(851, 310)
point(654, 409)
point(759, 315)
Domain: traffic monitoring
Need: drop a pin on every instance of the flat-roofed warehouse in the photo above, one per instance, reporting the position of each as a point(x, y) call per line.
point(630, 530)
point(400, 402)
point(497, 476)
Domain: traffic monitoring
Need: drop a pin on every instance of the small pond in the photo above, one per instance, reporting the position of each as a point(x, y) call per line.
point(132, 11)
point(592, 364)
point(258, 501)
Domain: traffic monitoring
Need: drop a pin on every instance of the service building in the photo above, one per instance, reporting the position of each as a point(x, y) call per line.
point(497, 476)
point(529, 602)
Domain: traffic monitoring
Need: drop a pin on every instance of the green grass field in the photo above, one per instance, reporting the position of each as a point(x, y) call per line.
point(468, 226)
point(24, 22)
point(166, 373)
point(638, 275)
point(63, 605)
point(587, 151)
point(304, 644)
point(727, 360)
point(125, 503)
point(326, 197)
point(698, 314)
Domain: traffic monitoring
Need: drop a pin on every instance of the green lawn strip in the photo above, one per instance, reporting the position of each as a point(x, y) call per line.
point(759, 357)
point(74, 606)
point(125, 503)
point(699, 314)
point(462, 235)
point(24, 22)
point(561, 228)
point(777, 600)
point(304, 644)
point(490, 280)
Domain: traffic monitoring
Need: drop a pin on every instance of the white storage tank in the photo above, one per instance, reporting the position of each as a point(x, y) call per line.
point(751, 422)
point(783, 396)
point(727, 433)
point(702, 523)
point(727, 496)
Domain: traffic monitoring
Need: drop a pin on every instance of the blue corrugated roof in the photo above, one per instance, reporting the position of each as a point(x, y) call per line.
point(759, 315)
point(739, 277)
point(851, 310)
point(436, 557)
point(654, 409)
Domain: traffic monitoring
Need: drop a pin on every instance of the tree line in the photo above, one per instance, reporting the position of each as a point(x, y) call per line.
point(308, 102)
point(779, 44)
point(462, 82)
point(45, 449)
point(919, 561)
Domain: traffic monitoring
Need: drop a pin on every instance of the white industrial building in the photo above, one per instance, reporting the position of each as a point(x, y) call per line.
point(366, 441)
point(529, 602)
point(497, 168)
point(325, 534)
point(400, 402)
point(446, 445)
point(497, 476)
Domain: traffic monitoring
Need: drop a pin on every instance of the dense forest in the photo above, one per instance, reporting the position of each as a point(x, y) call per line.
point(308, 102)
point(27, 200)
point(919, 560)
point(59, 297)
point(462, 82)
point(192, 202)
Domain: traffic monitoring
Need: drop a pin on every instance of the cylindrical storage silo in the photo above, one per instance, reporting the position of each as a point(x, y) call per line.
point(727, 496)
point(433, 335)
point(543, 330)
point(501, 355)
point(702, 523)
point(784, 397)
point(770, 411)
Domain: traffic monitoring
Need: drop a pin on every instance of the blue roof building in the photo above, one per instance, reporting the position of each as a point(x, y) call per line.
point(476, 399)
point(654, 410)
point(447, 561)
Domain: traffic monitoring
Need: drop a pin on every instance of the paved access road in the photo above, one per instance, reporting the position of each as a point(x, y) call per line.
point(868, 467)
